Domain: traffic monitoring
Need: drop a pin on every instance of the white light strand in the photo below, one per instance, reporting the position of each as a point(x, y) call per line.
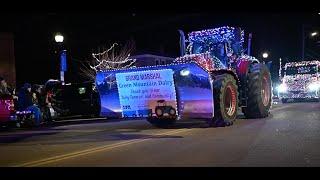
point(302, 63)
point(100, 54)
point(113, 62)
point(280, 68)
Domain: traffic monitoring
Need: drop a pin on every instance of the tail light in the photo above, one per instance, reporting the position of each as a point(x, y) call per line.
point(10, 104)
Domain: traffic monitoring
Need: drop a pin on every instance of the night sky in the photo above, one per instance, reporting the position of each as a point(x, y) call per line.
point(277, 33)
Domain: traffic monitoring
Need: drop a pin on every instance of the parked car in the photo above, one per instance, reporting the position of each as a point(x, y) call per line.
point(7, 111)
point(74, 99)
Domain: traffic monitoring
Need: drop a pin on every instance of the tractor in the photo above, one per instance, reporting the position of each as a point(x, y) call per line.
point(212, 79)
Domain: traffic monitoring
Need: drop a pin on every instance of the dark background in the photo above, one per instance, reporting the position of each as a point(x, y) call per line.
point(278, 33)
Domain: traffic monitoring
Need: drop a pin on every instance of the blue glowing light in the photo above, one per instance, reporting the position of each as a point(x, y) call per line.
point(216, 35)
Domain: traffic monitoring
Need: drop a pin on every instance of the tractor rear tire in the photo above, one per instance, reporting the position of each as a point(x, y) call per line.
point(225, 100)
point(258, 92)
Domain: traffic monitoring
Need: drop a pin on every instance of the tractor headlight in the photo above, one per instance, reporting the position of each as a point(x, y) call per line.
point(185, 72)
point(282, 88)
point(314, 86)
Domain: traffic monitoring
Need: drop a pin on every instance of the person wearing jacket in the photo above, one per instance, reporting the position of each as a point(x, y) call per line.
point(25, 103)
point(4, 90)
point(43, 102)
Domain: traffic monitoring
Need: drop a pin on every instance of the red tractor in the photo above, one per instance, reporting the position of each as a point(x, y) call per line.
point(238, 80)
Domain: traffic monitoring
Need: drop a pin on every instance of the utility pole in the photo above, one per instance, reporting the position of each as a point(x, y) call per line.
point(249, 43)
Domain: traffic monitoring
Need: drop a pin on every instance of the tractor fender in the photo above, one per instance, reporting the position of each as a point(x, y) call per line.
point(226, 71)
point(242, 70)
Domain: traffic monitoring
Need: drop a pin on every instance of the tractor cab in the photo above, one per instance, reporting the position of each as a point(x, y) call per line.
point(222, 43)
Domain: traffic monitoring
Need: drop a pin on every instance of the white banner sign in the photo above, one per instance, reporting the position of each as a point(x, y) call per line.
point(140, 92)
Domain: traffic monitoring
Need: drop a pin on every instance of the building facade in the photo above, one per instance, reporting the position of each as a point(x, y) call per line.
point(7, 58)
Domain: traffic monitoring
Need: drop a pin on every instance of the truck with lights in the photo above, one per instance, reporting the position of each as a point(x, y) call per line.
point(212, 80)
point(301, 81)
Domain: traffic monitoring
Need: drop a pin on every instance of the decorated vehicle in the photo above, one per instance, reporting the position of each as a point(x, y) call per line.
point(10, 116)
point(301, 81)
point(210, 81)
point(73, 99)
point(7, 111)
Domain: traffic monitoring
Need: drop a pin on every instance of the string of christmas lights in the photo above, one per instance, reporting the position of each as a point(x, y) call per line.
point(107, 62)
point(300, 80)
point(104, 52)
point(248, 58)
point(302, 63)
point(202, 59)
point(221, 34)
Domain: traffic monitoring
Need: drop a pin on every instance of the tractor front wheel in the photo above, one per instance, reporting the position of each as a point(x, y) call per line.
point(225, 100)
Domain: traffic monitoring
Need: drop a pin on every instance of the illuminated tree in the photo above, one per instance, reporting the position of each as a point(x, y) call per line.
point(109, 59)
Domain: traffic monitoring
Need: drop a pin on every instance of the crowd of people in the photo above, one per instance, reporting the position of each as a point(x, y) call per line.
point(29, 98)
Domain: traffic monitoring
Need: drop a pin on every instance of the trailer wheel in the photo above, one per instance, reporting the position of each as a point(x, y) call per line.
point(159, 111)
point(225, 100)
point(259, 92)
point(172, 112)
point(284, 100)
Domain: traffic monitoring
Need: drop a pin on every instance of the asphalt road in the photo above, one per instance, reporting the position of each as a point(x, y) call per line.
point(290, 136)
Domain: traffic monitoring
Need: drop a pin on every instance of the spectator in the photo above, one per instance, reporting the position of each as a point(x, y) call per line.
point(4, 90)
point(35, 90)
point(25, 102)
point(43, 102)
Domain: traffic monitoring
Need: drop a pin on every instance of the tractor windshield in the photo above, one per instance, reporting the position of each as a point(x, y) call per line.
point(217, 50)
point(198, 48)
point(216, 41)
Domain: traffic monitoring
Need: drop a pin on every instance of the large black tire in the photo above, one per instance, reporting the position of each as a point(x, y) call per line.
point(225, 100)
point(172, 112)
point(258, 92)
point(159, 111)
